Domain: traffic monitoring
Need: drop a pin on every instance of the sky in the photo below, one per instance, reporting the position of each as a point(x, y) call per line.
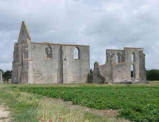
point(102, 24)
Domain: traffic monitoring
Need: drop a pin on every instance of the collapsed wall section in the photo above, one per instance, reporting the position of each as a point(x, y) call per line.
point(123, 66)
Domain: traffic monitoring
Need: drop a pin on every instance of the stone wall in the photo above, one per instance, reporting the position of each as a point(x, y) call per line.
point(123, 66)
point(97, 74)
point(75, 70)
point(48, 63)
point(121, 73)
point(61, 67)
point(20, 63)
point(1, 76)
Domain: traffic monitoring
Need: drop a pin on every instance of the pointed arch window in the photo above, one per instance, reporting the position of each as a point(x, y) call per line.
point(132, 69)
point(133, 57)
point(116, 59)
point(48, 51)
point(76, 53)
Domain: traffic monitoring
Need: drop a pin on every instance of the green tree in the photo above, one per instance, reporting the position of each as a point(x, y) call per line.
point(7, 75)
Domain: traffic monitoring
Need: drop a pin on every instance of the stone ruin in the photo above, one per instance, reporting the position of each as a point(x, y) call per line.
point(49, 63)
point(122, 66)
point(1, 77)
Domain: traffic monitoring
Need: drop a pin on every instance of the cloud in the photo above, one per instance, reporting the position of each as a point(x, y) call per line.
point(98, 23)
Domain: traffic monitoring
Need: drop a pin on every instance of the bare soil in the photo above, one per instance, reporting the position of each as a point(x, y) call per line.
point(4, 113)
point(108, 112)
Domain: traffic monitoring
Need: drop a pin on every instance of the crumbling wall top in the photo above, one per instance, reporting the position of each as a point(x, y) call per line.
point(48, 43)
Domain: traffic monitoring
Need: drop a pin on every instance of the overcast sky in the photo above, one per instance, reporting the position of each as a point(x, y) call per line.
point(102, 24)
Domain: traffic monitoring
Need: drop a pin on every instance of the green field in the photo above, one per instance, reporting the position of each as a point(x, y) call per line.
point(134, 102)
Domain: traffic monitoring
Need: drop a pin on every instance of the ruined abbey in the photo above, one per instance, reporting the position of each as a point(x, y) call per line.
point(50, 63)
point(122, 66)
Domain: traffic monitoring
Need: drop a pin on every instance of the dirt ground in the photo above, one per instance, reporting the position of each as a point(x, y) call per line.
point(108, 113)
point(58, 106)
point(4, 113)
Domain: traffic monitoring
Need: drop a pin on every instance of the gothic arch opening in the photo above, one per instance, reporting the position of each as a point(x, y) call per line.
point(48, 51)
point(116, 59)
point(76, 53)
point(132, 57)
point(132, 69)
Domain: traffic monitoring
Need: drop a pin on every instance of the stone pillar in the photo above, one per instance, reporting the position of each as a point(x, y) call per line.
point(1, 77)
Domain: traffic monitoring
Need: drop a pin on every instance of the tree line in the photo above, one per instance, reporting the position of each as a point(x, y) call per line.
point(152, 75)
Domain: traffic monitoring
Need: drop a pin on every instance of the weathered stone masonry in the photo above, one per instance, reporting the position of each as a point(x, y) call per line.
point(122, 66)
point(1, 76)
point(49, 63)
